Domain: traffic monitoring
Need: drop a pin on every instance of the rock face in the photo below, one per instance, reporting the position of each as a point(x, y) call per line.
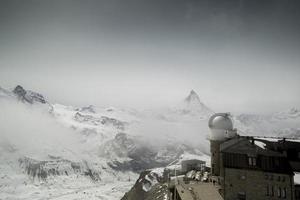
point(43, 169)
point(55, 166)
point(19, 91)
point(28, 96)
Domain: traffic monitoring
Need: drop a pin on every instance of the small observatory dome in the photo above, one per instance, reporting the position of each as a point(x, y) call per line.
point(221, 126)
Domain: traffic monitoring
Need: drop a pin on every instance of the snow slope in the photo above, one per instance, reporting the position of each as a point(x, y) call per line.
point(44, 155)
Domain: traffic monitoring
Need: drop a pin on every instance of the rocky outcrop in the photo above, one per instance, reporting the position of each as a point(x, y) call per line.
point(28, 96)
point(87, 109)
point(149, 186)
point(92, 120)
point(42, 169)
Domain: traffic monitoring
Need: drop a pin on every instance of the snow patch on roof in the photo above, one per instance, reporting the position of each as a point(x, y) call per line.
point(260, 144)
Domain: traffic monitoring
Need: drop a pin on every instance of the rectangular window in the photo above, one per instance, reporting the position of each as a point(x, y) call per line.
point(283, 193)
point(279, 192)
point(252, 161)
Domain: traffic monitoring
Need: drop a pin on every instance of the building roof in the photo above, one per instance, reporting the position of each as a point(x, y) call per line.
point(238, 151)
point(284, 145)
point(201, 190)
point(193, 161)
point(248, 146)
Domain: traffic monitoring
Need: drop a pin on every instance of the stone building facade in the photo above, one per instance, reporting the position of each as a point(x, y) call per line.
point(257, 185)
point(251, 172)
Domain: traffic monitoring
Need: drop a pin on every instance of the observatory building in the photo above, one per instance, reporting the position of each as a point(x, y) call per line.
point(221, 127)
point(251, 168)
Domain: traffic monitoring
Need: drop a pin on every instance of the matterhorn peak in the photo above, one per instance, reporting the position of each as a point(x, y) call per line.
point(193, 96)
point(193, 106)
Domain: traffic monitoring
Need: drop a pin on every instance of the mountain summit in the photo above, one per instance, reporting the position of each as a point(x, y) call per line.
point(193, 106)
point(193, 97)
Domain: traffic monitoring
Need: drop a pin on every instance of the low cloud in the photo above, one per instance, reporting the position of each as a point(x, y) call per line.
point(32, 131)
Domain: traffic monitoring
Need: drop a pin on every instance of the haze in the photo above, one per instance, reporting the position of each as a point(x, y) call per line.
point(238, 55)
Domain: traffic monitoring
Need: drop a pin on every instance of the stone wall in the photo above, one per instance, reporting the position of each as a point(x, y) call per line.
point(215, 157)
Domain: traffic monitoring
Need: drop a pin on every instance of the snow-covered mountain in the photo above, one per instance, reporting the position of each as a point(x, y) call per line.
point(52, 151)
point(282, 124)
point(57, 151)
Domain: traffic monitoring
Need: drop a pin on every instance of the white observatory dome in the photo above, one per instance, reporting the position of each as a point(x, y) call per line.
point(220, 121)
point(221, 126)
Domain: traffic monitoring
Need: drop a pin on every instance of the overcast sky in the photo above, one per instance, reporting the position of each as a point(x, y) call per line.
point(238, 55)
